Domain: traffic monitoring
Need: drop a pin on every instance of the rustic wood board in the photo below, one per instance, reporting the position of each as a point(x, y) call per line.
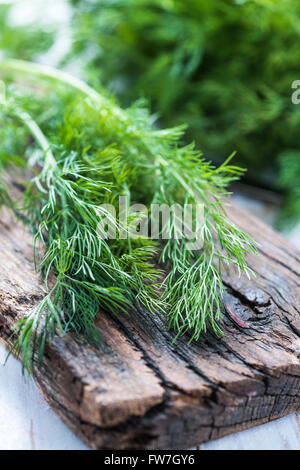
point(144, 392)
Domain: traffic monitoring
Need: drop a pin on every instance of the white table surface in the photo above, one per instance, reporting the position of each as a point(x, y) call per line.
point(26, 420)
point(28, 423)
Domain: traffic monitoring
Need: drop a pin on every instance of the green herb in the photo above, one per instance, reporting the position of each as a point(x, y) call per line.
point(92, 152)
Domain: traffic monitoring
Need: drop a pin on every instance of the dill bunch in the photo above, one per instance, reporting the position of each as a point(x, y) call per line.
point(86, 151)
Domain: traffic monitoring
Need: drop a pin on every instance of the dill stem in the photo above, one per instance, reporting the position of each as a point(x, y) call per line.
point(33, 127)
point(38, 135)
point(45, 71)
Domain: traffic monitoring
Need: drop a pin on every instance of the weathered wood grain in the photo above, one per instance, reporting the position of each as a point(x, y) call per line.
point(142, 391)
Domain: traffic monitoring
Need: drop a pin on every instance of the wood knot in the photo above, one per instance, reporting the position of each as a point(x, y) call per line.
point(248, 311)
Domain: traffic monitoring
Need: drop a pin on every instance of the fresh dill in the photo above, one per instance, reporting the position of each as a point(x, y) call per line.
point(87, 151)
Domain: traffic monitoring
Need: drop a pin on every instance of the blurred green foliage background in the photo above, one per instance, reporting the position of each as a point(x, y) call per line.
point(223, 67)
point(23, 42)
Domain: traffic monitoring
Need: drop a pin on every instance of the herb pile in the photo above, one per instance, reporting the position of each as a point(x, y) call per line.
point(84, 151)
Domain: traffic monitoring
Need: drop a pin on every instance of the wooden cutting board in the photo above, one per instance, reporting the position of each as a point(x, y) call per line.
point(144, 392)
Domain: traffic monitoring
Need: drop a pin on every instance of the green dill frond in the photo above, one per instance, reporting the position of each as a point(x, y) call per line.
point(4, 196)
point(92, 152)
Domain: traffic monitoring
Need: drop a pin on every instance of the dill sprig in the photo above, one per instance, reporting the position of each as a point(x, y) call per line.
point(92, 151)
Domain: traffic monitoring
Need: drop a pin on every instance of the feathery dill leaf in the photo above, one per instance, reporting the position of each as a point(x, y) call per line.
point(93, 152)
